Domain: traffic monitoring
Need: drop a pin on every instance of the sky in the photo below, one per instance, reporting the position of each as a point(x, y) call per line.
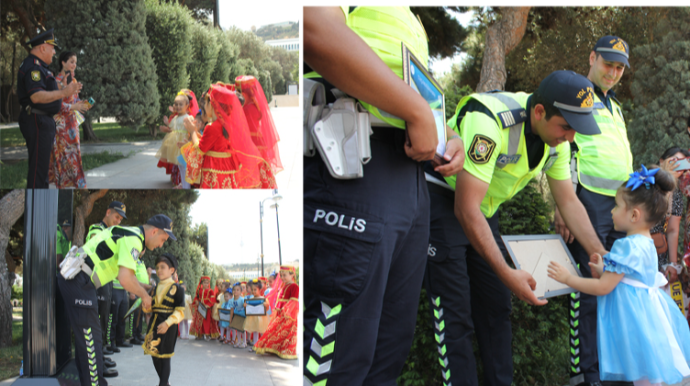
point(245, 14)
point(439, 67)
point(234, 228)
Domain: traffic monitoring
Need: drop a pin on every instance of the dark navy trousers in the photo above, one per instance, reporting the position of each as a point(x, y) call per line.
point(466, 298)
point(39, 133)
point(79, 295)
point(365, 245)
point(118, 308)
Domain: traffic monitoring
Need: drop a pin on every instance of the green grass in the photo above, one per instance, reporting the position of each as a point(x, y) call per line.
point(106, 133)
point(13, 175)
point(11, 357)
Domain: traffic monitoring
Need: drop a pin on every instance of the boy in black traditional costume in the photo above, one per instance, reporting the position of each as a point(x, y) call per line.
point(168, 310)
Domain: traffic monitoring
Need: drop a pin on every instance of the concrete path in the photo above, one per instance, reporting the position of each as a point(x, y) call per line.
point(13, 153)
point(140, 171)
point(202, 363)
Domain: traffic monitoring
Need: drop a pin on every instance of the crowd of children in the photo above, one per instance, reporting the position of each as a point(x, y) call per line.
point(225, 140)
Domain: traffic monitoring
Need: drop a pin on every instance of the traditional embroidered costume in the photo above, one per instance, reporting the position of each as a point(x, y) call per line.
point(65, 160)
point(217, 162)
point(167, 307)
point(204, 326)
point(280, 337)
point(261, 126)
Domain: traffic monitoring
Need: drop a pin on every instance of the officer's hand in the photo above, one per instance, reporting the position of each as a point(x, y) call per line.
point(561, 229)
point(522, 284)
point(162, 328)
point(146, 304)
point(132, 296)
point(73, 88)
point(455, 154)
point(422, 137)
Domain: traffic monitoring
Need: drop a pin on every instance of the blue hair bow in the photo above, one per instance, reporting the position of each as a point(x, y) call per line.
point(645, 177)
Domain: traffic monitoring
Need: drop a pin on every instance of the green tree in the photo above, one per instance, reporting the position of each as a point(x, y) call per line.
point(243, 66)
point(660, 87)
point(205, 49)
point(168, 27)
point(115, 63)
point(250, 45)
point(276, 73)
point(289, 62)
point(199, 234)
point(227, 56)
point(446, 34)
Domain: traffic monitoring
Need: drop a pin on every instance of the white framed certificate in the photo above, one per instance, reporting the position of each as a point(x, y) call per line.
point(533, 253)
point(224, 314)
point(202, 310)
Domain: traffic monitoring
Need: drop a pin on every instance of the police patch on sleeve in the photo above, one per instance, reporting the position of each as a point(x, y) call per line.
point(481, 149)
point(135, 254)
point(35, 76)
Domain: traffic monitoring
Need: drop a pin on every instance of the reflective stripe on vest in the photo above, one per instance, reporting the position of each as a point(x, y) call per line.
point(383, 29)
point(511, 178)
point(604, 161)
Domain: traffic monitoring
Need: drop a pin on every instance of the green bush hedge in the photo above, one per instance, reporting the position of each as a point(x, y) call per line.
point(540, 334)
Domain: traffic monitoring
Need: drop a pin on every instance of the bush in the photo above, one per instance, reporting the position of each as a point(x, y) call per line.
point(226, 58)
point(205, 49)
point(17, 292)
point(540, 334)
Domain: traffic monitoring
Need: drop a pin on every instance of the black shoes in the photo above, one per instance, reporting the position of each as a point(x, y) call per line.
point(124, 344)
point(109, 362)
point(136, 341)
point(114, 349)
point(109, 373)
point(107, 350)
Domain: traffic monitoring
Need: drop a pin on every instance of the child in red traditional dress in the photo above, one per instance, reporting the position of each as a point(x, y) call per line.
point(204, 327)
point(185, 104)
point(224, 157)
point(280, 337)
point(261, 126)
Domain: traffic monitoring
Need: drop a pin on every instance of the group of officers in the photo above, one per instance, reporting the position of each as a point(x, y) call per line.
point(436, 225)
point(96, 300)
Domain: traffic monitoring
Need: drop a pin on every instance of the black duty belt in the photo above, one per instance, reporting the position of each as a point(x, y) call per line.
point(391, 135)
point(32, 110)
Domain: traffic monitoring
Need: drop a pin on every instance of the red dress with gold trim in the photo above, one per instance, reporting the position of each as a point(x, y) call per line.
point(204, 326)
point(280, 337)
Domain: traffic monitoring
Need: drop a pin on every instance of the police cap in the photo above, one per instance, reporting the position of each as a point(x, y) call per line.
point(613, 49)
point(47, 37)
point(119, 208)
point(163, 222)
point(573, 95)
point(66, 224)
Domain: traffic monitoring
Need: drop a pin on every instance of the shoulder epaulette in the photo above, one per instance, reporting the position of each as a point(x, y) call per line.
point(512, 117)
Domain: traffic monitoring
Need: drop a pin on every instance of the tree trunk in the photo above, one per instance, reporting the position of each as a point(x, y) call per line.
point(11, 207)
point(24, 10)
point(87, 128)
point(502, 36)
point(81, 213)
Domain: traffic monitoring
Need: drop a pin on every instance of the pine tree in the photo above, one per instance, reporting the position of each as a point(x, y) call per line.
point(114, 57)
point(661, 88)
point(168, 29)
point(205, 49)
point(227, 55)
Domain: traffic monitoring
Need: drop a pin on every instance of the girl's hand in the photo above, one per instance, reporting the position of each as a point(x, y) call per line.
point(166, 120)
point(164, 129)
point(180, 144)
point(162, 328)
point(669, 164)
point(171, 109)
point(189, 125)
point(558, 272)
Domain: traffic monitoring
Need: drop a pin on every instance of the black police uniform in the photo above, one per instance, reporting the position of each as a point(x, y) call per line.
point(365, 242)
point(104, 294)
point(36, 119)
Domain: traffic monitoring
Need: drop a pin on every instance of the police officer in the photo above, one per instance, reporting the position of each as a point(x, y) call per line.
point(603, 162)
point(64, 240)
point(114, 252)
point(512, 137)
point(365, 239)
point(135, 319)
point(40, 99)
point(113, 216)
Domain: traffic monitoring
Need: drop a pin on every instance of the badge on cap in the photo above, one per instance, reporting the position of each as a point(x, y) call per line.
point(123, 208)
point(588, 100)
point(35, 76)
point(620, 46)
point(481, 149)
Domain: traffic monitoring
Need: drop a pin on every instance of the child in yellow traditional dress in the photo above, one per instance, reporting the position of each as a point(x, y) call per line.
point(255, 325)
point(184, 104)
point(168, 310)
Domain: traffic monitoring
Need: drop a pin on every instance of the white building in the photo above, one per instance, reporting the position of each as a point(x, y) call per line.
point(244, 274)
point(291, 44)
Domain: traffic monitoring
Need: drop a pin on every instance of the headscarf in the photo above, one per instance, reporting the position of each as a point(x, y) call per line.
point(264, 129)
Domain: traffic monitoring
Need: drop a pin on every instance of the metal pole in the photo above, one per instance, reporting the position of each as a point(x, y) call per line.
point(216, 16)
point(261, 226)
point(280, 257)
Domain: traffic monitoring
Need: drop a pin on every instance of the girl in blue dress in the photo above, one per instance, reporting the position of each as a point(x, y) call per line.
point(642, 336)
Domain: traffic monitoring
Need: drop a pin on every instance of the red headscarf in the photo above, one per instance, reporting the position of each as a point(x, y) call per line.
point(199, 286)
point(230, 115)
point(260, 121)
point(193, 104)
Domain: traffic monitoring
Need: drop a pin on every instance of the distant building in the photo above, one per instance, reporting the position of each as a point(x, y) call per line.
point(283, 24)
point(288, 44)
point(244, 274)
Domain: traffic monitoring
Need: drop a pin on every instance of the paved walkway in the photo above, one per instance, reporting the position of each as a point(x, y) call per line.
point(201, 363)
point(12, 153)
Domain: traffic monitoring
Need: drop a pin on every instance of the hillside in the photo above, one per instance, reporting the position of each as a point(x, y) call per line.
point(272, 32)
